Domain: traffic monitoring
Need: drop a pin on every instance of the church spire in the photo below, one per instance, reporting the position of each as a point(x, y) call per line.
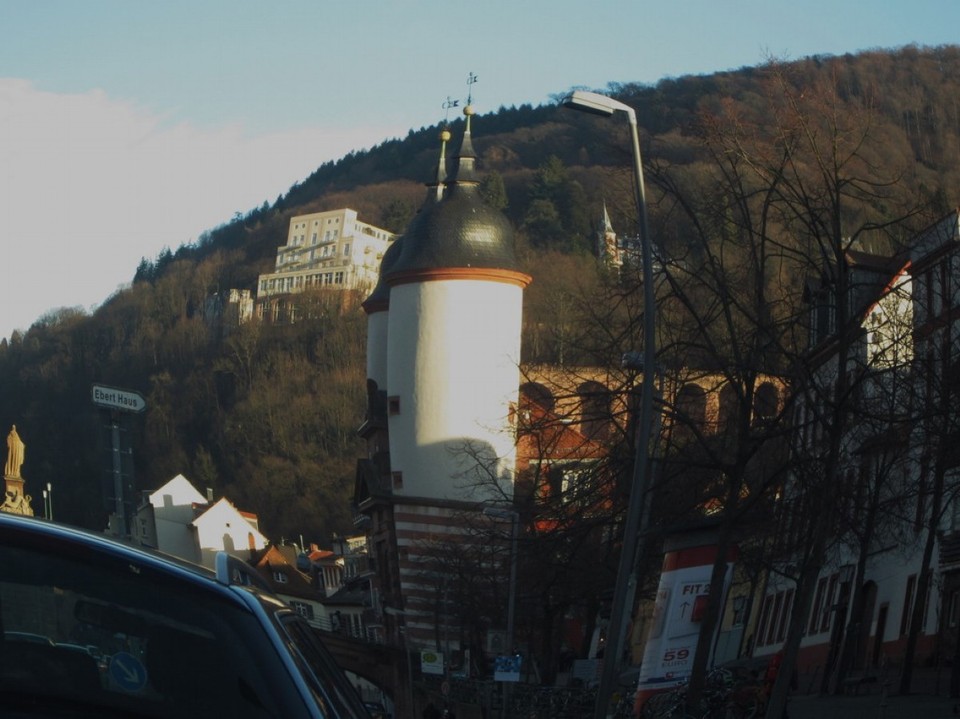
point(466, 170)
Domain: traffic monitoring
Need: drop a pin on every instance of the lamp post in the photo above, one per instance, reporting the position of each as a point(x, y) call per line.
point(636, 520)
point(48, 501)
point(514, 518)
point(512, 600)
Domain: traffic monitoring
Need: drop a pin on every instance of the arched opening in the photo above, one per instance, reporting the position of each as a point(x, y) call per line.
point(538, 394)
point(766, 401)
point(690, 409)
point(728, 412)
point(594, 410)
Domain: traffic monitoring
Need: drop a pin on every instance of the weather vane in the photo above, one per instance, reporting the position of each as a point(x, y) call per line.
point(446, 107)
point(471, 79)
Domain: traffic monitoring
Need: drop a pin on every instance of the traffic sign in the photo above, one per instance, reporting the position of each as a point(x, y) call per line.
point(127, 672)
point(122, 399)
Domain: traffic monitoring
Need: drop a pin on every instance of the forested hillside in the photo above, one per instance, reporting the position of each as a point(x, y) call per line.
point(266, 415)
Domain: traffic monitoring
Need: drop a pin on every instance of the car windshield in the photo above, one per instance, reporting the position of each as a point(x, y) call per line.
point(99, 635)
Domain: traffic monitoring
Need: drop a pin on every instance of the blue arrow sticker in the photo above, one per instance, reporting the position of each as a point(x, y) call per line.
point(127, 672)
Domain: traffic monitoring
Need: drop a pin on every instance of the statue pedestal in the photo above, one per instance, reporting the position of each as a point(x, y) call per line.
point(14, 500)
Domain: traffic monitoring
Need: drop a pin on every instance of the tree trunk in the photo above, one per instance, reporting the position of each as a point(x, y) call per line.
point(698, 672)
point(855, 616)
point(803, 601)
point(923, 580)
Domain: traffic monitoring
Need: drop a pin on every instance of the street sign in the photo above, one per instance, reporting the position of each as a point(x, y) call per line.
point(122, 399)
point(126, 672)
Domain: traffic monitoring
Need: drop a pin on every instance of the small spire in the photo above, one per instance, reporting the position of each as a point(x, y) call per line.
point(439, 186)
point(607, 225)
point(466, 158)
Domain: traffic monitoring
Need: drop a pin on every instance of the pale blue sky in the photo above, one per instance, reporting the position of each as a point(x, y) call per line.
point(178, 113)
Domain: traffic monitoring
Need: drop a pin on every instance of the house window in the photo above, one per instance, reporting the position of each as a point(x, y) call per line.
point(303, 609)
point(818, 606)
point(393, 405)
point(908, 596)
point(775, 618)
point(280, 577)
point(827, 610)
point(739, 611)
point(346, 250)
point(764, 620)
point(787, 608)
point(397, 480)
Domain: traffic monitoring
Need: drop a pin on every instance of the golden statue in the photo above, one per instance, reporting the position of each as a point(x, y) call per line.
point(15, 500)
point(15, 447)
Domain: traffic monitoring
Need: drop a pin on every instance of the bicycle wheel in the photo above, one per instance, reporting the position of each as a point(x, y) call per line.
point(666, 705)
point(748, 708)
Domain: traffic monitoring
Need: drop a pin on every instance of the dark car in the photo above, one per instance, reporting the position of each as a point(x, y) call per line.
point(92, 627)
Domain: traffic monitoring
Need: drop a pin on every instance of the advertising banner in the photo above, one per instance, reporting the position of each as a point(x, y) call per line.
point(506, 668)
point(675, 628)
point(431, 662)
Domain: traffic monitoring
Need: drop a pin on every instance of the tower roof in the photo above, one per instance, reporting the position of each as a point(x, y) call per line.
point(459, 230)
point(379, 299)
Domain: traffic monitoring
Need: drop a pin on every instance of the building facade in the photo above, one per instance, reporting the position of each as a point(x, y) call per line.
point(327, 250)
point(179, 520)
point(892, 566)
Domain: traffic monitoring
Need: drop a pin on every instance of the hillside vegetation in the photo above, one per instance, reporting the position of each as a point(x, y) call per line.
point(266, 415)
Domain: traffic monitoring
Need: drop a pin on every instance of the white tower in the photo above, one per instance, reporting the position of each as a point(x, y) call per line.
point(443, 377)
point(453, 346)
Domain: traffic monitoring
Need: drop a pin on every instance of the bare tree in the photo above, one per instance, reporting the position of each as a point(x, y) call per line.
point(788, 189)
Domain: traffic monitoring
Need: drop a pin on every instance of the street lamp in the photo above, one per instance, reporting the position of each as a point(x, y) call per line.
point(635, 526)
point(48, 501)
point(512, 599)
point(514, 518)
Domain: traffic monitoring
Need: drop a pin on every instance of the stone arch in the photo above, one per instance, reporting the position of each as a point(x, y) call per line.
point(766, 403)
point(594, 409)
point(691, 408)
point(729, 406)
point(538, 394)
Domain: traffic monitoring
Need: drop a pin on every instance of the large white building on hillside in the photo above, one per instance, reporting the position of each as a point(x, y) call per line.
point(332, 250)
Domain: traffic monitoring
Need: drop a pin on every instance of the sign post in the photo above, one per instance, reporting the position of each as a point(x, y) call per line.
point(118, 401)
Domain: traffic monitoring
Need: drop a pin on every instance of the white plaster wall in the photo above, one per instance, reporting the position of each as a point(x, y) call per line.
point(453, 349)
point(173, 512)
point(223, 528)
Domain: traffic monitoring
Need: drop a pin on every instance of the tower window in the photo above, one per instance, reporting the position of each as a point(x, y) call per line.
point(393, 405)
point(397, 479)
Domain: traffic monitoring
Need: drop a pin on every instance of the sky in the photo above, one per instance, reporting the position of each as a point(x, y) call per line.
point(131, 126)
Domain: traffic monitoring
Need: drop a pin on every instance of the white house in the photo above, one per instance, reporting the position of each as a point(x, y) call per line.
point(178, 520)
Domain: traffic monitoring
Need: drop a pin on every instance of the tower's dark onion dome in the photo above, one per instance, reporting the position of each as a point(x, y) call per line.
point(379, 299)
point(460, 231)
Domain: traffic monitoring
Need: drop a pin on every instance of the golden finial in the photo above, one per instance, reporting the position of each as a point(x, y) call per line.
point(471, 80)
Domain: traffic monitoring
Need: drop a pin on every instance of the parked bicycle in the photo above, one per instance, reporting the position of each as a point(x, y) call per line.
point(724, 696)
